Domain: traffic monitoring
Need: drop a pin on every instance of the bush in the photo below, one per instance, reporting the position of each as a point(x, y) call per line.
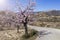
point(42, 24)
point(31, 34)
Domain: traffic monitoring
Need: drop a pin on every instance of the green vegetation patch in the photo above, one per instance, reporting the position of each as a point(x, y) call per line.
point(31, 36)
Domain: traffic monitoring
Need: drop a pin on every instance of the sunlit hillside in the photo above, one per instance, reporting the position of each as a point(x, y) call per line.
point(47, 19)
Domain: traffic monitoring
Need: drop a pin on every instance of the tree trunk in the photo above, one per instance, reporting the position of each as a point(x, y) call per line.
point(17, 29)
point(26, 29)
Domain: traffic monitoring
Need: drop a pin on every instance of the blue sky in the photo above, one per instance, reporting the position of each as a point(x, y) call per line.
point(41, 5)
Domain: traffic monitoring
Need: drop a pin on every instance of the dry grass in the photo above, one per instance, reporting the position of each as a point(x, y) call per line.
point(11, 35)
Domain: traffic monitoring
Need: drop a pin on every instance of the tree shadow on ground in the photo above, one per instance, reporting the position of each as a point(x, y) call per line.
point(43, 33)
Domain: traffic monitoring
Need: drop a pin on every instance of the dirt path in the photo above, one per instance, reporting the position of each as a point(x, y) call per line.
point(46, 33)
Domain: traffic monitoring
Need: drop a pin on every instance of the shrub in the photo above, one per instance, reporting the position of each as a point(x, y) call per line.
point(42, 24)
point(31, 34)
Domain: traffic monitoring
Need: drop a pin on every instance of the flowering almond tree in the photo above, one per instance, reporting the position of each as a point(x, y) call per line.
point(24, 15)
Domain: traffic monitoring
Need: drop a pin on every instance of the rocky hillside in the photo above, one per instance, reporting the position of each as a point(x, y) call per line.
point(47, 19)
point(52, 12)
